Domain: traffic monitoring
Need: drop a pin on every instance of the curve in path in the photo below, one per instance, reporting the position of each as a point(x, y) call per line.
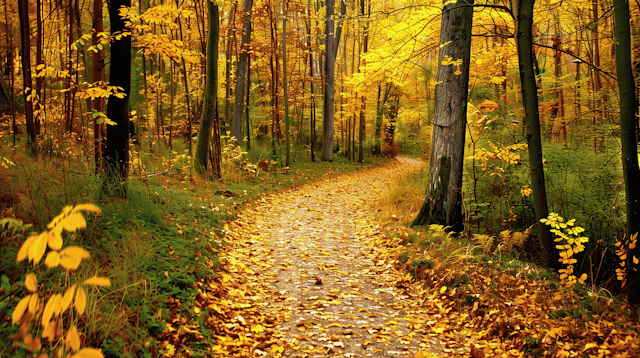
point(315, 276)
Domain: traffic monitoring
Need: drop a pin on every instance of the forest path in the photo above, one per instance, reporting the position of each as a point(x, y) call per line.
point(312, 281)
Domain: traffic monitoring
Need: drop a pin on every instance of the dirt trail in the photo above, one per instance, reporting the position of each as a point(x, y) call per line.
point(316, 272)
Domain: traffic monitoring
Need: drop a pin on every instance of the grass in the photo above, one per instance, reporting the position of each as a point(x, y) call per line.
point(154, 246)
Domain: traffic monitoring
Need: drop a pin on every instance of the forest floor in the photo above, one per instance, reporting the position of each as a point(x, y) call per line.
point(305, 276)
point(318, 271)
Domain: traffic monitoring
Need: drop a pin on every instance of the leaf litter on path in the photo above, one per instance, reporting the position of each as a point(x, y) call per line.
point(313, 272)
point(305, 278)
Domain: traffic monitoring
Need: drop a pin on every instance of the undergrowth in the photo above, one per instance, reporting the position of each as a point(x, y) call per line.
point(158, 246)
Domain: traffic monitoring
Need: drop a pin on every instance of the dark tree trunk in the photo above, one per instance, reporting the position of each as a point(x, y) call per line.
point(116, 154)
point(210, 94)
point(629, 140)
point(523, 12)
point(241, 82)
point(25, 33)
point(98, 76)
point(443, 202)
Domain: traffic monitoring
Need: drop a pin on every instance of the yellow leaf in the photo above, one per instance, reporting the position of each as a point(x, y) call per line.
point(33, 303)
point(171, 350)
point(277, 349)
point(70, 257)
point(89, 207)
point(258, 328)
point(457, 72)
point(24, 249)
point(81, 301)
point(73, 222)
point(49, 332)
point(57, 304)
point(635, 260)
point(55, 240)
point(48, 312)
point(89, 353)
point(98, 281)
point(53, 259)
point(225, 277)
point(72, 339)
point(36, 251)
point(582, 278)
point(67, 298)
point(418, 355)
point(21, 307)
point(589, 346)
point(443, 289)
point(31, 282)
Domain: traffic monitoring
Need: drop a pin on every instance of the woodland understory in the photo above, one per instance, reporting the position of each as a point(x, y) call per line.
point(358, 178)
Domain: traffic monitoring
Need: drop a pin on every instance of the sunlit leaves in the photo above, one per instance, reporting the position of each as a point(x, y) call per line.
point(31, 282)
point(98, 281)
point(569, 246)
point(81, 301)
point(20, 309)
point(50, 315)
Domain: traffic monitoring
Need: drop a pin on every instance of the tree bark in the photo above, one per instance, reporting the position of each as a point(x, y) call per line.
point(231, 38)
point(211, 87)
point(363, 99)
point(523, 13)
point(98, 76)
point(25, 33)
point(629, 140)
point(331, 51)
point(443, 202)
point(117, 144)
point(241, 83)
point(284, 84)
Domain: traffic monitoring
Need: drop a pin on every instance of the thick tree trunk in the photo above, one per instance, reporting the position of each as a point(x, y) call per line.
point(241, 77)
point(117, 144)
point(211, 88)
point(523, 12)
point(629, 140)
point(331, 50)
point(25, 33)
point(443, 202)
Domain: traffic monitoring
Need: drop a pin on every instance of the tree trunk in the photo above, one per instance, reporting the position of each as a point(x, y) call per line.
point(363, 99)
point(241, 77)
point(25, 33)
point(629, 140)
point(211, 88)
point(284, 85)
point(98, 76)
point(248, 97)
point(117, 145)
point(331, 50)
point(39, 106)
point(523, 13)
point(231, 28)
point(443, 202)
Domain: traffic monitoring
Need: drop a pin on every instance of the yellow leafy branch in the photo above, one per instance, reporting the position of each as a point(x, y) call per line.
point(57, 309)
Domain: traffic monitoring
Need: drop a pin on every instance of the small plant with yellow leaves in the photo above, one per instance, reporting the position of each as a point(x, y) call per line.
point(622, 251)
point(55, 321)
point(569, 243)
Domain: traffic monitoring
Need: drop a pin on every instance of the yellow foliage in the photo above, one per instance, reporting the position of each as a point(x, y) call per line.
point(570, 243)
point(51, 317)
